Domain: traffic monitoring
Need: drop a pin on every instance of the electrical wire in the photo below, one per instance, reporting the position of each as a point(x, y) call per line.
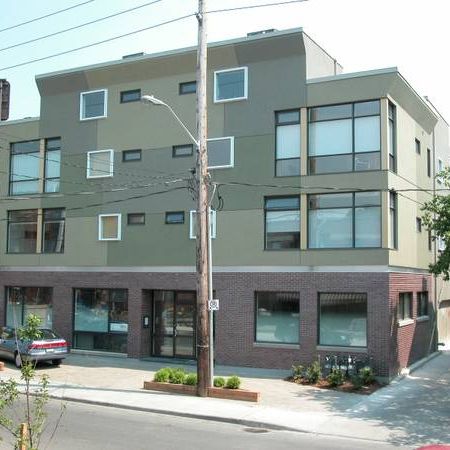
point(240, 8)
point(100, 19)
point(45, 16)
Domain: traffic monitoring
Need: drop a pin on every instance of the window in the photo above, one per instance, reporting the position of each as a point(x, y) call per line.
point(392, 219)
point(422, 304)
point(277, 317)
point(343, 319)
point(24, 168)
point(344, 138)
point(23, 301)
point(345, 220)
point(193, 224)
point(430, 241)
point(101, 319)
point(392, 137)
point(428, 162)
point(188, 87)
point(131, 155)
point(130, 96)
point(287, 153)
point(52, 168)
point(440, 168)
point(220, 152)
point(22, 231)
point(282, 223)
point(100, 164)
point(109, 227)
point(93, 104)
point(441, 244)
point(231, 84)
point(417, 145)
point(180, 151)
point(175, 217)
point(404, 306)
point(136, 219)
point(53, 229)
point(418, 224)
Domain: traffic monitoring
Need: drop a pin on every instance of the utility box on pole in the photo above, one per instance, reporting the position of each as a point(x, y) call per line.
point(4, 99)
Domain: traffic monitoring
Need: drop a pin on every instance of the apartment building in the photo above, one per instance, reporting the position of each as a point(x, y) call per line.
point(318, 247)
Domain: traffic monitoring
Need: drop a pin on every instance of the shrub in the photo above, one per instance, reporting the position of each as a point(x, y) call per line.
point(313, 373)
point(233, 382)
point(357, 382)
point(219, 382)
point(298, 372)
point(336, 377)
point(191, 379)
point(163, 375)
point(177, 376)
point(366, 375)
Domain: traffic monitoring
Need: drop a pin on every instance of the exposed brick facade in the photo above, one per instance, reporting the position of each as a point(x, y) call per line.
point(389, 347)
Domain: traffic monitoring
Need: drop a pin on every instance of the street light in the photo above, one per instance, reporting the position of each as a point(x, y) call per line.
point(201, 365)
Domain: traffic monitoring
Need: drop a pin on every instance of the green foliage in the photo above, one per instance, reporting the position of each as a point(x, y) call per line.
point(336, 377)
point(191, 379)
point(177, 376)
point(313, 373)
point(31, 329)
point(357, 381)
point(219, 382)
point(233, 382)
point(367, 376)
point(298, 372)
point(163, 375)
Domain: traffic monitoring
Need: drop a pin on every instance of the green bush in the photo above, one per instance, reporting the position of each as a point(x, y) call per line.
point(367, 376)
point(298, 372)
point(336, 377)
point(233, 382)
point(357, 382)
point(219, 382)
point(163, 375)
point(313, 373)
point(177, 376)
point(191, 379)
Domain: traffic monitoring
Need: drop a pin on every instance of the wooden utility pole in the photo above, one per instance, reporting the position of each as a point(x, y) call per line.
point(203, 367)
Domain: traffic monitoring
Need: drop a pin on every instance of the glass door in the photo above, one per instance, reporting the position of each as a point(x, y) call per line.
point(184, 326)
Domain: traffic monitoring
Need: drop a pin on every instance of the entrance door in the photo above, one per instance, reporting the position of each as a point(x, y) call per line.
point(173, 331)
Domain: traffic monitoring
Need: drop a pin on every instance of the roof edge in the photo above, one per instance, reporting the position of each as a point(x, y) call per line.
point(15, 121)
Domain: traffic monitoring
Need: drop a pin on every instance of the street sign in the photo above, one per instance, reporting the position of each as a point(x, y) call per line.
point(213, 305)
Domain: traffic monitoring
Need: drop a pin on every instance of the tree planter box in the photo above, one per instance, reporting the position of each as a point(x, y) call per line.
point(228, 394)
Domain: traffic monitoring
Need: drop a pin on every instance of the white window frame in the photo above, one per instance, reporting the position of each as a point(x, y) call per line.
point(119, 227)
point(105, 104)
point(231, 138)
point(192, 221)
point(233, 69)
point(111, 164)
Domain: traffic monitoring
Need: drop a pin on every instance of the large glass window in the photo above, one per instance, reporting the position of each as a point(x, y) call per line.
point(52, 165)
point(22, 231)
point(230, 84)
point(392, 137)
point(101, 319)
point(24, 169)
point(53, 230)
point(344, 138)
point(287, 154)
point(100, 163)
point(422, 304)
point(282, 223)
point(343, 319)
point(220, 152)
point(23, 301)
point(404, 311)
point(345, 220)
point(93, 104)
point(277, 317)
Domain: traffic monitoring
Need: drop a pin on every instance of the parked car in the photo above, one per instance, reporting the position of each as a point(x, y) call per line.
point(50, 347)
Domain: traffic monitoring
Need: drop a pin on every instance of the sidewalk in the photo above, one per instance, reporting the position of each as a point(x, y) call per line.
point(411, 411)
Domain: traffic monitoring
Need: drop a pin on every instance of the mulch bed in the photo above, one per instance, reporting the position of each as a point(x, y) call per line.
point(347, 386)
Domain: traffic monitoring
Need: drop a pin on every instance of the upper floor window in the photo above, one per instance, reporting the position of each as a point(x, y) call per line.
point(131, 155)
point(93, 104)
point(220, 152)
point(174, 217)
point(52, 165)
point(136, 219)
point(392, 219)
point(193, 224)
point(428, 162)
point(344, 138)
point(130, 96)
point(100, 164)
point(440, 168)
point(345, 220)
point(392, 137)
point(417, 146)
point(25, 168)
point(180, 151)
point(188, 87)
point(109, 227)
point(53, 229)
point(231, 84)
point(282, 223)
point(287, 153)
point(404, 311)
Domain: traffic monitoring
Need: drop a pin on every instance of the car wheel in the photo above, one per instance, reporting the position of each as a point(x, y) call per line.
point(18, 360)
point(56, 362)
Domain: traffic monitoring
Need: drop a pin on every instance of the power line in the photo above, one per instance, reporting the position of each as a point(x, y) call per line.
point(45, 16)
point(239, 8)
point(93, 44)
point(79, 26)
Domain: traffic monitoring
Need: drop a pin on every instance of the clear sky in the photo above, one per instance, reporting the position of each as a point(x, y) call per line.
point(413, 35)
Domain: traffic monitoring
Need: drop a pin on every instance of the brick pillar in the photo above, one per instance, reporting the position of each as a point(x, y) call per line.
point(135, 329)
point(2, 305)
point(63, 312)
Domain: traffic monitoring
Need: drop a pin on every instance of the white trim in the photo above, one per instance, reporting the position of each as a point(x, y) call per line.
point(15, 121)
point(405, 322)
point(231, 138)
point(344, 76)
point(105, 104)
point(119, 227)
point(234, 99)
point(213, 220)
point(111, 163)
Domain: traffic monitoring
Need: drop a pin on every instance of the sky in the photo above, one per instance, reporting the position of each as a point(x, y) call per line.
point(412, 35)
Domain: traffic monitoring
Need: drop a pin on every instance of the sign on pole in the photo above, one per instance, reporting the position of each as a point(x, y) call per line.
point(213, 305)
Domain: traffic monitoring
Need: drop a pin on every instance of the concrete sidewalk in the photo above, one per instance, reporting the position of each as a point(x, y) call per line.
point(411, 411)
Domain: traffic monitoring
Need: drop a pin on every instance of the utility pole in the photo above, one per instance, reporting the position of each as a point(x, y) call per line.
point(202, 244)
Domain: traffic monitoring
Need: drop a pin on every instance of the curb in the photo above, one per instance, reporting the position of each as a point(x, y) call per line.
point(418, 364)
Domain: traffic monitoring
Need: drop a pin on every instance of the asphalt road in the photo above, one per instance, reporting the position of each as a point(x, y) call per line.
point(86, 427)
